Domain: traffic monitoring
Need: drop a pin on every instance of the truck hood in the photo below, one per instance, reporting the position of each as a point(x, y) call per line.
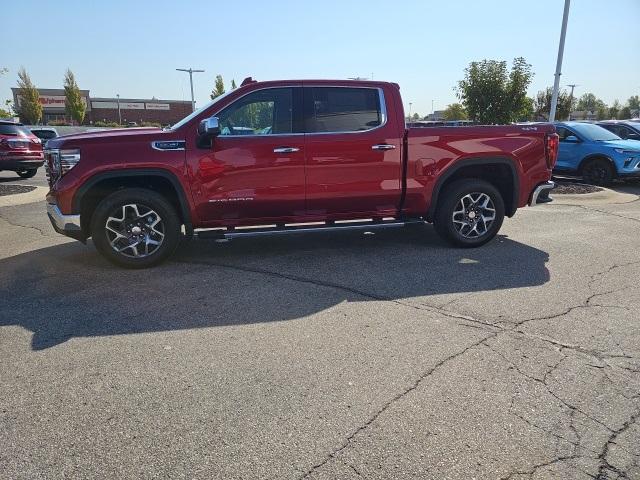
point(632, 145)
point(102, 135)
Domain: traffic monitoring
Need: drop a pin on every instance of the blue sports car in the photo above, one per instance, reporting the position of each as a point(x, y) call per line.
point(595, 153)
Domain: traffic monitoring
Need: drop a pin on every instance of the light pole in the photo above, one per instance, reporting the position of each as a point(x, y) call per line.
point(571, 98)
point(432, 110)
point(119, 116)
point(410, 110)
point(191, 71)
point(556, 83)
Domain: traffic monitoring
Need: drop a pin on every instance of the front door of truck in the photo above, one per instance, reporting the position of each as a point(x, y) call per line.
point(255, 167)
point(352, 152)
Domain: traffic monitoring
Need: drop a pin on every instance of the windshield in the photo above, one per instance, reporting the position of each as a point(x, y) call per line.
point(595, 133)
point(198, 111)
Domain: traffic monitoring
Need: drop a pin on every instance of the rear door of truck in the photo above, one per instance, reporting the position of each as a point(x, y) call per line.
point(352, 151)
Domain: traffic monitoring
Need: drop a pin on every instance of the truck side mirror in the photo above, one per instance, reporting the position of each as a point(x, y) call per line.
point(571, 139)
point(209, 127)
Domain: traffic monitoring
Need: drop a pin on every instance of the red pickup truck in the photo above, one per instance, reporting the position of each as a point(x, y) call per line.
point(292, 156)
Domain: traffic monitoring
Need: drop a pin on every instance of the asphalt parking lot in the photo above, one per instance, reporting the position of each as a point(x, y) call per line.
point(351, 355)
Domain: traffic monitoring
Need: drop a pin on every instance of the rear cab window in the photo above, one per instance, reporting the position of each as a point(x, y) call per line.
point(343, 109)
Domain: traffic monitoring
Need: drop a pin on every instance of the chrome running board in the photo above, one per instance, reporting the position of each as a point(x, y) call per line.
point(311, 227)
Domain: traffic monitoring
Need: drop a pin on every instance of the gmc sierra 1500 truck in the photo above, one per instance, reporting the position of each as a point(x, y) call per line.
point(292, 156)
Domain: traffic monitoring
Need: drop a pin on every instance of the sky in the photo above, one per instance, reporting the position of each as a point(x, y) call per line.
point(132, 48)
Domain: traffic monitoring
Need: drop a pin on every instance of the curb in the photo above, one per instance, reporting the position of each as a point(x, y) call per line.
point(37, 195)
point(605, 197)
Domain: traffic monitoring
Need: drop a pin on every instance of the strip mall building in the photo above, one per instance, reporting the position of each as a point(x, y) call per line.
point(138, 110)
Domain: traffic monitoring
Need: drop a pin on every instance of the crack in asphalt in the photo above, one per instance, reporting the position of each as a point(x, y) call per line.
point(605, 466)
point(605, 212)
point(483, 325)
point(39, 230)
point(538, 466)
point(334, 453)
point(549, 390)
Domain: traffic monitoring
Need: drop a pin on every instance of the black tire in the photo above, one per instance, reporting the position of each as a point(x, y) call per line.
point(459, 197)
point(27, 173)
point(598, 171)
point(156, 221)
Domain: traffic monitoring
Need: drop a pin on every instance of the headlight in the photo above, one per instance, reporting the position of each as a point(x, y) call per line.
point(68, 159)
point(62, 160)
point(628, 152)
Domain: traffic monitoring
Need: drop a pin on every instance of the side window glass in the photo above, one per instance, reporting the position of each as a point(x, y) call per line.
point(264, 112)
point(563, 133)
point(337, 109)
point(623, 132)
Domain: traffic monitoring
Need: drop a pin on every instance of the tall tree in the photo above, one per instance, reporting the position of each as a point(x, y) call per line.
point(29, 108)
point(602, 112)
point(625, 113)
point(218, 88)
point(74, 104)
point(614, 110)
point(590, 103)
point(233, 84)
point(542, 104)
point(491, 94)
point(633, 105)
point(455, 111)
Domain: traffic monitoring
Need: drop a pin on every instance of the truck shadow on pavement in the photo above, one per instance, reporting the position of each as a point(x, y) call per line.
point(67, 291)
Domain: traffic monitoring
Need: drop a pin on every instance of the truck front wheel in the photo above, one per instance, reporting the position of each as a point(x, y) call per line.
point(135, 228)
point(469, 212)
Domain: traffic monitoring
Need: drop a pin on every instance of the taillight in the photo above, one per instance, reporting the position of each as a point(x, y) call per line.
point(552, 141)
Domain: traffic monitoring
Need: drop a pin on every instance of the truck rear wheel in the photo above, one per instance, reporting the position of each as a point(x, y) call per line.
point(135, 228)
point(469, 213)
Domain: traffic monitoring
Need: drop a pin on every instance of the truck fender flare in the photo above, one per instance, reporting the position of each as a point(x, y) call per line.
point(458, 165)
point(593, 156)
point(185, 211)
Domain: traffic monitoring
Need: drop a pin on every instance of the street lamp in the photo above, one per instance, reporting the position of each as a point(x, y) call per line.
point(410, 110)
point(556, 83)
point(190, 71)
point(119, 116)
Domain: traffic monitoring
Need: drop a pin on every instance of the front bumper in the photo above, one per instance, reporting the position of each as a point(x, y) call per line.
point(541, 194)
point(68, 225)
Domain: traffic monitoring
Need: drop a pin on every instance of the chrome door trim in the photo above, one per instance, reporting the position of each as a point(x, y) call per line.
point(168, 145)
point(383, 146)
point(286, 150)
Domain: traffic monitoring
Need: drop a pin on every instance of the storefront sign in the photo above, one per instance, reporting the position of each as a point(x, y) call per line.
point(158, 106)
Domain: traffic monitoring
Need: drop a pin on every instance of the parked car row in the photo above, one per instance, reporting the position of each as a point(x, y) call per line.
point(599, 153)
point(21, 148)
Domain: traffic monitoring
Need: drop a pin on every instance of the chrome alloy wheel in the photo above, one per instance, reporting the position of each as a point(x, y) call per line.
point(135, 231)
point(474, 214)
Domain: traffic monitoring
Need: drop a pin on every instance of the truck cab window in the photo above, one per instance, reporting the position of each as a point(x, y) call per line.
point(337, 109)
point(264, 112)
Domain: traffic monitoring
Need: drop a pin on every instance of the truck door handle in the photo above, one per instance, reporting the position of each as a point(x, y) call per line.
point(285, 150)
point(383, 146)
